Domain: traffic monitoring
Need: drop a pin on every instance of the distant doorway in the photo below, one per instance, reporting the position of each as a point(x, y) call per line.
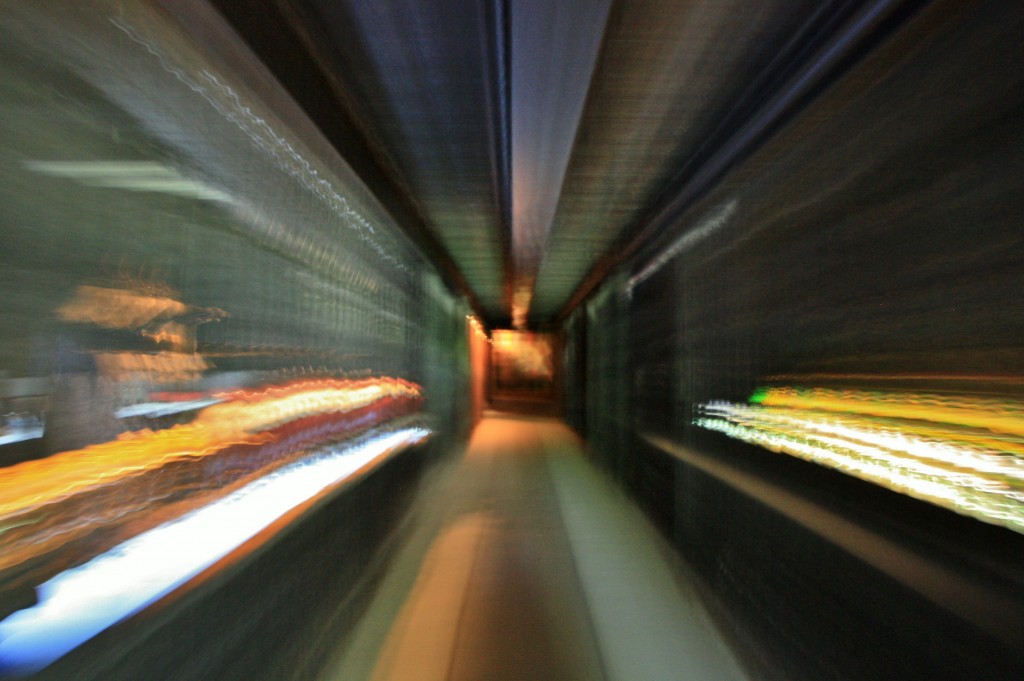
point(524, 372)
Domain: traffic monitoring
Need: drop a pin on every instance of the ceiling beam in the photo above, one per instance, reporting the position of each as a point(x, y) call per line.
point(554, 49)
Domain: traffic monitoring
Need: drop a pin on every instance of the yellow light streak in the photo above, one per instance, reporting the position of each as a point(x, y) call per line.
point(965, 453)
point(243, 418)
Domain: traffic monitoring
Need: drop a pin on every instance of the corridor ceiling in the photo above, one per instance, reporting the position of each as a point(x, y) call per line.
point(531, 146)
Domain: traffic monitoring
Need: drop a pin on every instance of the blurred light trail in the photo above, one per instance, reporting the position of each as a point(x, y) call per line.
point(991, 413)
point(139, 176)
point(164, 408)
point(116, 308)
point(965, 453)
point(72, 506)
point(711, 223)
point(10, 435)
point(241, 417)
point(79, 603)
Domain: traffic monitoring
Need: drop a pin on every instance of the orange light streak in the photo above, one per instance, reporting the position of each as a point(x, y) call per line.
point(999, 416)
point(244, 418)
point(118, 308)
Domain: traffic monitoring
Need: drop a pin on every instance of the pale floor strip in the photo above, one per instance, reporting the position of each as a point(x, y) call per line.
point(524, 561)
point(650, 621)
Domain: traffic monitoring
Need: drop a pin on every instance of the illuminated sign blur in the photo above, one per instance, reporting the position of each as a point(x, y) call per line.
point(522, 361)
point(78, 603)
point(965, 453)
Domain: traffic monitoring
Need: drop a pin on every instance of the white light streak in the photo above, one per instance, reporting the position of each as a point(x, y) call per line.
point(79, 603)
point(967, 477)
point(139, 176)
point(711, 224)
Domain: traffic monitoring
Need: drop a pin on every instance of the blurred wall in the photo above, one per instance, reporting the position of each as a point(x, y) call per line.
point(171, 221)
point(874, 242)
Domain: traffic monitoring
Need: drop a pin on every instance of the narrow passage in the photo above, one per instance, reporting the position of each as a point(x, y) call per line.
point(524, 562)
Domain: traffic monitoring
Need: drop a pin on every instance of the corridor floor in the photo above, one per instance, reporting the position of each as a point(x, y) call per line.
point(522, 561)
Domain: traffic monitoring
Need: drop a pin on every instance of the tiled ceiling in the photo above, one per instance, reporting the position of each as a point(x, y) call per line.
point(532, 145)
